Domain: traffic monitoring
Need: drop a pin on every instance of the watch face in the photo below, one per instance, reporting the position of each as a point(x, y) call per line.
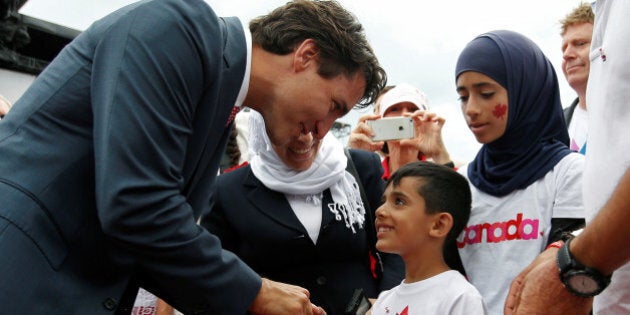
point(582, 284)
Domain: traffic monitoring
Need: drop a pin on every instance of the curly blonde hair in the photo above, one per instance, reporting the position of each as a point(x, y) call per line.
point(582, 14)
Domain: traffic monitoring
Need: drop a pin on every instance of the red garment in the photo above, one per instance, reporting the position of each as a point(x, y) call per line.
point(233, 113)
point(235, 167)
point(385, 162)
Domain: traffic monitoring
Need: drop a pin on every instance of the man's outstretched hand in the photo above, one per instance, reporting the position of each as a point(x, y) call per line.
point(280, 298)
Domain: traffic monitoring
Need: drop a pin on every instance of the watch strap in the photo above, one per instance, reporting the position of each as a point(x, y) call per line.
point(569, 266)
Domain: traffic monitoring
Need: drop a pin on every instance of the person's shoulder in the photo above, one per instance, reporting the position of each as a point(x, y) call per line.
point(235, 174)
point(364, 155)
point(235, 167)
point(463, 169)
point(173, 11)
point(572, 158)
point(568, 111)
point(457, 280)
point(155, 17)
point(571, 161)
point(460, 290)
point(568, 171)
point(366, 162)
point(173, 4)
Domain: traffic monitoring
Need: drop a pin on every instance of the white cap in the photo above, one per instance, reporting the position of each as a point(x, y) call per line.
point(403, 93)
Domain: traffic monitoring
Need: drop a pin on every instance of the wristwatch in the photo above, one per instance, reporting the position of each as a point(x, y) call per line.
point(579, 279)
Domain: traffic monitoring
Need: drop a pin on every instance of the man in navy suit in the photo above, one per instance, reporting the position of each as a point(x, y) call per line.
point(107, 159)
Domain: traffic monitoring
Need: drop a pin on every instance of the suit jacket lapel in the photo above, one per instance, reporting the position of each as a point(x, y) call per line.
point(211, 132)
point(271, 203)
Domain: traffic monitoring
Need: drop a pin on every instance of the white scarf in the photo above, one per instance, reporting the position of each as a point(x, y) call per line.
point(326, 172)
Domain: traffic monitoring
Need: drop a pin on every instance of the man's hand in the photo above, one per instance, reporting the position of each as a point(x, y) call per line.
point(361, 136)
point(428, 140)
point(538, 290)
point(5, 105)
point(280, 298)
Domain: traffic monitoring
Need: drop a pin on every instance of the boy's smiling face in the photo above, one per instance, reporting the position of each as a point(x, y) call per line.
point(402, 223)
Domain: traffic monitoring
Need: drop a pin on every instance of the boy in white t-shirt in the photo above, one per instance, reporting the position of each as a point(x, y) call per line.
point(425, 206)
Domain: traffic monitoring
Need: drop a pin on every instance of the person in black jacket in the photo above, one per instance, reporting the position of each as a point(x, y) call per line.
point(107, 160)
point(301, 218)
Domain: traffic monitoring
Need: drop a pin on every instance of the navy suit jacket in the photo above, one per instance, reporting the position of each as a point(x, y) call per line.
point(258, 225)
point(107, 161)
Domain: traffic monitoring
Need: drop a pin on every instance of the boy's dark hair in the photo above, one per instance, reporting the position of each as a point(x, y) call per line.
point(443, 190)
point(341, 39)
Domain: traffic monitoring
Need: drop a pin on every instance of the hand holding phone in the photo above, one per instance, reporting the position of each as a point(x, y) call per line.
point(392, 128)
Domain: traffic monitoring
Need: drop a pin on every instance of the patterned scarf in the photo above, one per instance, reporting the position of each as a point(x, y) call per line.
point(326, 172)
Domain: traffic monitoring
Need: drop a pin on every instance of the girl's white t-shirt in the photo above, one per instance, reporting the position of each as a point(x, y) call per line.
point(505, 234)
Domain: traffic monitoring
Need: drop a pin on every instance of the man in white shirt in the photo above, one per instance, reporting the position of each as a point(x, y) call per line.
point(600, 254)
point(576, 31)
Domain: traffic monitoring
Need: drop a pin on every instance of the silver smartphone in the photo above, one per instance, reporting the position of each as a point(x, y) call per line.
point(392, 128)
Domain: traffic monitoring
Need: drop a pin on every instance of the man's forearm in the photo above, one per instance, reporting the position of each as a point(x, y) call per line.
point(603, 244)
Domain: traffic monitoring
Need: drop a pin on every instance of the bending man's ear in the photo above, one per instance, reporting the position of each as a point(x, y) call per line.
point(306, 54)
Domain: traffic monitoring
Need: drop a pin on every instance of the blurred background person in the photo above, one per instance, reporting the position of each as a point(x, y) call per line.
point(427, 144)
point(236, 151)
point(576, 31)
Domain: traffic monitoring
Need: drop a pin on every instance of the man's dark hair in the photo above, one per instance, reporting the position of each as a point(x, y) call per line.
point(443, 190)
point(339, 35)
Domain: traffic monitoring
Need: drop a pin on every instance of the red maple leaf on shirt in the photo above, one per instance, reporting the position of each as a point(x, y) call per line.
point(405, 311)
point(499, 110)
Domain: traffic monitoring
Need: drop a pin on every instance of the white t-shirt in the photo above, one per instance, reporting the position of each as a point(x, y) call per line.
point(445, 293)
point(504, 234)
point(578, 130)
point(607, 157)
point(145, 304)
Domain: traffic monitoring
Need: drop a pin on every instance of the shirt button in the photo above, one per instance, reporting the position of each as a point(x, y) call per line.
point(109, 304)
point(321, 280)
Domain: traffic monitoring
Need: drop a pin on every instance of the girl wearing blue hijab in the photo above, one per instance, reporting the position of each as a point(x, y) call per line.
point(525, 181)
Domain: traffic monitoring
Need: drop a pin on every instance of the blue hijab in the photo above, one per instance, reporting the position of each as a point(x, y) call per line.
point(536, 137)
